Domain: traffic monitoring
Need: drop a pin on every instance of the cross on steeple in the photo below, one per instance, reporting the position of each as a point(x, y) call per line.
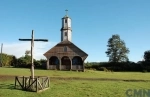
point(66, 12)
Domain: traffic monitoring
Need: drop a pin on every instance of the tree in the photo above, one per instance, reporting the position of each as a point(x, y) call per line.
point(8, 60)
point(147, 55)
point(24, 61)
point(14, 61)
point(117, 50)
point(27, 52)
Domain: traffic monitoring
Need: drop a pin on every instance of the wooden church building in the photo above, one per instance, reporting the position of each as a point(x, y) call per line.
point(65, 55)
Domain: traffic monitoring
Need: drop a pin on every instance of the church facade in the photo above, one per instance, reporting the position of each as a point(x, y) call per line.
point(65, 55)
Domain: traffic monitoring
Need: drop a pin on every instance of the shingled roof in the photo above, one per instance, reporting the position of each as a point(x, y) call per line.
point(73, 50)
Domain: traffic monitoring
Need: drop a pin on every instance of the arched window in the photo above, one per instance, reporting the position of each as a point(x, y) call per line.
point(77, 61)
point(54, 60)
point(65, 49)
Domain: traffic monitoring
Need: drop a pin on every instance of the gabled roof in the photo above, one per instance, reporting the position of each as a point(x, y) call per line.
point(65, 43)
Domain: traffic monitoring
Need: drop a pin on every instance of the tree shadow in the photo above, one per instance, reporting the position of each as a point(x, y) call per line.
point(7, 86)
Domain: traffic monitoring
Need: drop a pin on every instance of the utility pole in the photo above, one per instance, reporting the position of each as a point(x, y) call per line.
point(32, 46)
point(1, 55)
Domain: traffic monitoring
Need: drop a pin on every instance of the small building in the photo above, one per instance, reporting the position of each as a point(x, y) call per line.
point(65, 55)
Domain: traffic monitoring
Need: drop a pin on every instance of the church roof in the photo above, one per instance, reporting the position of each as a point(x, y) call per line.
point(70, 43)
point(74, 50)
point(64, 42)
point(66, 16)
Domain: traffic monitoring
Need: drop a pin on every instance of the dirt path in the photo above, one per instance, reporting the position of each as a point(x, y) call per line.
point(6, 77)
point(9, 77)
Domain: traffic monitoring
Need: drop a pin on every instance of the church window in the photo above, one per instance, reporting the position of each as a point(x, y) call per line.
point(65, 20)
point(65, 49)
point(65, 33)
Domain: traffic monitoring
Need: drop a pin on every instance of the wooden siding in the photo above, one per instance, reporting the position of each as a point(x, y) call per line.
point(77, 67)
point(66, 67)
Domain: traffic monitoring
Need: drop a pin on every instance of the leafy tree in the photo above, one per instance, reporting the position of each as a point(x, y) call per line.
point(8, 60)
point(27, 52)
point(117, 50)
point(13, 61)
point(147, 55)
point(24, 61)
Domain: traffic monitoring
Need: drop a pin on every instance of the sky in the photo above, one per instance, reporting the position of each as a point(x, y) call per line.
point(93, 23)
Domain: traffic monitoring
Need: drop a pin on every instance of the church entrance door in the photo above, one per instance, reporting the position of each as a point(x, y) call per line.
point(66, 63)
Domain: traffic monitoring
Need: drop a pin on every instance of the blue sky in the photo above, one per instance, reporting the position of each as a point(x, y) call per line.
point(93, 23)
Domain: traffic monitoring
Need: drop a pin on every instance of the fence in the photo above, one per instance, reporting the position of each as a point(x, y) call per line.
point(36, 84)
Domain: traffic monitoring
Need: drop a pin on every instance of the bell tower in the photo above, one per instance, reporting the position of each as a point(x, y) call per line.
point(66, 30)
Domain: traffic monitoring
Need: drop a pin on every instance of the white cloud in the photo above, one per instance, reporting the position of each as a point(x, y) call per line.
point(18, 48)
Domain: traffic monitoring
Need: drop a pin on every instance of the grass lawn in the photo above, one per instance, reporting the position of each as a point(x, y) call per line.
point(86, 74)
point(75, 88)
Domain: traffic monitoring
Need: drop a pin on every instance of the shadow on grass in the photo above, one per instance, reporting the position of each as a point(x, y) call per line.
point(11, 87)
point(7, 86)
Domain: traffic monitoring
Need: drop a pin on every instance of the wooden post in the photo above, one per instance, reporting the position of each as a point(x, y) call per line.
point(1, 55)
point(83, 66)
point(32, 64)
point(47, 64)
point(71, 65)
point(48, 82)
point(59, 63)
point(37, 87)
point(30, 80)
point(43, 82)
point(23, 81)
point(15, 82)
point(26, 83)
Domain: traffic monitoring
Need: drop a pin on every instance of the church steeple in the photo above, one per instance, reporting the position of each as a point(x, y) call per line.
point(66, 30)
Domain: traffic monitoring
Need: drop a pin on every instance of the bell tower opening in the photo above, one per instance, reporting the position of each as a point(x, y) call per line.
point(65, 20)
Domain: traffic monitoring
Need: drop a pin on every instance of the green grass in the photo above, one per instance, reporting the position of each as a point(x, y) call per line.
point(86, 74)
point(75, 88)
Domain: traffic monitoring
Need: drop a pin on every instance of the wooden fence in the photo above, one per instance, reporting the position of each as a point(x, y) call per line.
point(37, 84)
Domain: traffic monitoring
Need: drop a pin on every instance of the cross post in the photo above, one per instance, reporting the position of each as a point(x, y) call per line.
point(32, 46)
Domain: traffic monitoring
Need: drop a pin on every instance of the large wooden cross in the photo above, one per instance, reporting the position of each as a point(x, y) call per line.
point(32, 45)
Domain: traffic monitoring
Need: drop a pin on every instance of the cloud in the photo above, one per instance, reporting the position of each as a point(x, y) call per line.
point(18, 48)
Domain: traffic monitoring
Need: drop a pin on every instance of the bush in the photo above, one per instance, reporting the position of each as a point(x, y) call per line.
point(119, 66)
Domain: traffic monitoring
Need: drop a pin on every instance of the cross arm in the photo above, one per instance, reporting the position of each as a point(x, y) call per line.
point(25, 39)
point(45, 40)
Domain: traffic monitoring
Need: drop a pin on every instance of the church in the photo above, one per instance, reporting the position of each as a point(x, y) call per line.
point(65, 55)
